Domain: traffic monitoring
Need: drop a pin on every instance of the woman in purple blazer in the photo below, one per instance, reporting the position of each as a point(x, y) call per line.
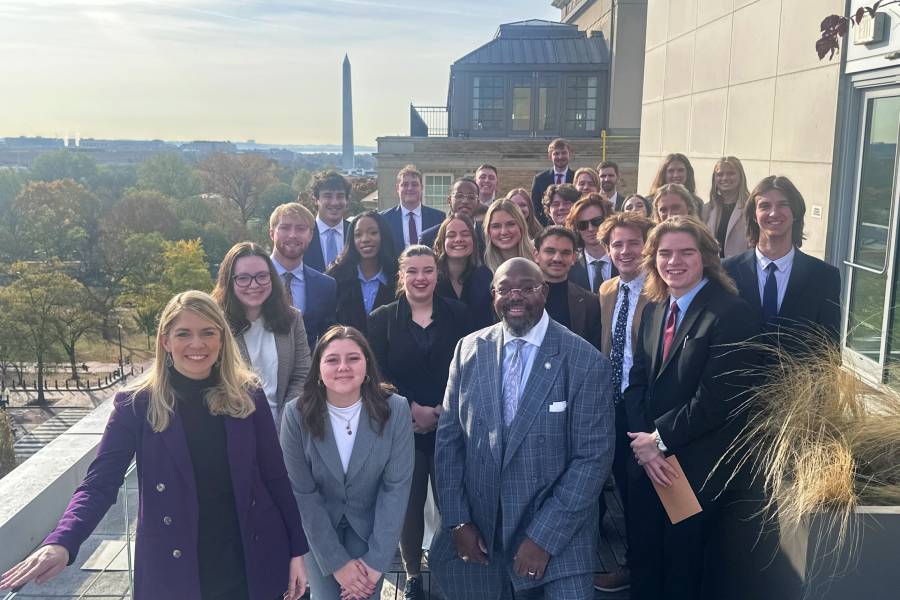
point(217, 518)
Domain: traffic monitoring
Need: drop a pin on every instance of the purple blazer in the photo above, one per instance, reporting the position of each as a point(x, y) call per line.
point(166, 562)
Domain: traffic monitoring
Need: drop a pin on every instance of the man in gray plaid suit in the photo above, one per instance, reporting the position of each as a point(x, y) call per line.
point(523, 447)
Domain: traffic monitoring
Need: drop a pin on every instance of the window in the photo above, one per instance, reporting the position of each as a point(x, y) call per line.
point(487, 103)
point(521, 104)
point(582, 104)
point(437, 188)
point(548, 90)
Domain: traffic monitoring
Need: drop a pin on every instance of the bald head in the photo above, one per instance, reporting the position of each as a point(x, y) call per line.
point(519, 294)
point(518, 266)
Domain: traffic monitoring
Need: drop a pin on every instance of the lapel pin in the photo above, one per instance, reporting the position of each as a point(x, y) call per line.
point(547, 365)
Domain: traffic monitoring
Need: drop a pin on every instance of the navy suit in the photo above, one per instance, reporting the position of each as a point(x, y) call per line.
point(431, 217)
point(321, 303)
point(813, 296)
point(314, 255)
point(541, 182)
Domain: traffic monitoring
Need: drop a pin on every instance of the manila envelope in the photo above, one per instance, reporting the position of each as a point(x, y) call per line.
point(678, 499)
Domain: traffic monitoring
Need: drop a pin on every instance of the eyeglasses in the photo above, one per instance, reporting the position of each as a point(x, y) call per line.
point(595, 222)
point(245, 280)
point(471, 197)
point(524, 292)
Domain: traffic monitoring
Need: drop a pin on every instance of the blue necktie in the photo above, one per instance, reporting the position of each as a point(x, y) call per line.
point(617, 355)
point(330, 247)
point(770, 295)
point(511, 383)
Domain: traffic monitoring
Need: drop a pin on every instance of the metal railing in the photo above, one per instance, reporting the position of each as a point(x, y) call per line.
point(127, 548)
point(428, 121)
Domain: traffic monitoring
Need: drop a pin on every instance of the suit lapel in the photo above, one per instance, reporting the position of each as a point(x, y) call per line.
point(698, 305)
point(607, 307)
point(326, 446)
point(797, 283)
point(362, 445)
point(284, 351)
point(489, 368)
point(734, 218)
point(748, 280)
point(656, 333)
point(175, 441)
point(636, 322)
point(544, 370)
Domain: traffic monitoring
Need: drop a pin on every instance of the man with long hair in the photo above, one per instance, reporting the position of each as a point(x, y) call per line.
point(688, 378)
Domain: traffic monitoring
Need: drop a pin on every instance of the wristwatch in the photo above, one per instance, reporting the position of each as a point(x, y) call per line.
point(659, 442)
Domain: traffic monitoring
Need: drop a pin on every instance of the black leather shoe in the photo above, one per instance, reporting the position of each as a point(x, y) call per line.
point(413, 589)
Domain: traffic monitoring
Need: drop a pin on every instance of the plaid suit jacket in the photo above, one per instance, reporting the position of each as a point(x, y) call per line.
point(544, 478)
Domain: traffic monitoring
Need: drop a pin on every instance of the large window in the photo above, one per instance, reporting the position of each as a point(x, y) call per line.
point(488, 96)
point(437, 188)
point(521, 104)
point(548, 90)
point(582, 104)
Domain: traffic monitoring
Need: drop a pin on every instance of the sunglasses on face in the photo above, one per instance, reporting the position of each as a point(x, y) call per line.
point(595, 222)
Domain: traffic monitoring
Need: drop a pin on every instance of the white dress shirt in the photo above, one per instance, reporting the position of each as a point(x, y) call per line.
point(533, 340)
point(263, 356)
point(605, 267)
point(782, 273)
point(417, 217)
point(635, 286)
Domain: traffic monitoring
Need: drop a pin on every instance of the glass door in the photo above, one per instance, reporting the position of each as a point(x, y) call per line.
point(872, 335)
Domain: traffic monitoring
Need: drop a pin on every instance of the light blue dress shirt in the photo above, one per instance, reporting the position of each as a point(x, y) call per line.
point(298, 284)
point(684, 303)
point(533, 340)
point(370, 287)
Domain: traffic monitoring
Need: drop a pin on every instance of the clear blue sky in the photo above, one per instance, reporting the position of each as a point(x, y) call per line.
point(233, 69)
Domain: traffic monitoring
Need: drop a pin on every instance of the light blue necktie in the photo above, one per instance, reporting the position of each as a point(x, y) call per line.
point(330, 247)
point(511, 383)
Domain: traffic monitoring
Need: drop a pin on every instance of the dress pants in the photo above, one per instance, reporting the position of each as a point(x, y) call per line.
point(578, 587)
point(667, 561)
point(326, 587)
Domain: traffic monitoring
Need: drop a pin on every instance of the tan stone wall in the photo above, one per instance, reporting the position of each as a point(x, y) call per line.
point(741, 77)
point(517, 161)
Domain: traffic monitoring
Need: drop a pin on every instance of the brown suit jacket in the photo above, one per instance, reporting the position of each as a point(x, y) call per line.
point(608, 291)
point(584, 313)
point(293, 362)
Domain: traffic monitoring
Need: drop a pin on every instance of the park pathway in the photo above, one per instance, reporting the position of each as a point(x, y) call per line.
point(48, 431)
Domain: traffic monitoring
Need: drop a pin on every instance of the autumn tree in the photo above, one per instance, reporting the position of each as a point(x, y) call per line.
point(169, 174)
point(56, 220)
point(72, 320)
point(143, 211)
point(63, 164)
point(239, 178)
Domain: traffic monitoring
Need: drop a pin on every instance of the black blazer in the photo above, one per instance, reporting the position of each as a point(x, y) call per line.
point(431, 217)
point(584, 314)
point(579, 273)
point(690, 397)
point(813, 296)
point(539, 185)
point(476, 296)
point(419, 375)
point(350, 307)
point(314, 255)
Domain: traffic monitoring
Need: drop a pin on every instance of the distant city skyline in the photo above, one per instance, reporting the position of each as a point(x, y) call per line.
point(264, 70)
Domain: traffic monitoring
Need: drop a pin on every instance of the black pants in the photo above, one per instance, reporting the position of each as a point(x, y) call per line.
point(414, 524)
point(620, 466)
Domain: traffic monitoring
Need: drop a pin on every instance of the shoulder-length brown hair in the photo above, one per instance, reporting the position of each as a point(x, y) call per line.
point(660, 179)
point(440, 247)
point(656, 288)
point(312, 405)
point(585, 202)
point(794, 198)
point(275, 310)
point(534, 227)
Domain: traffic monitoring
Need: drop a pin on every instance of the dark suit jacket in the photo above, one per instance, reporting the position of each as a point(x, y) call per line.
point(539, 185)
point(476, 295)
point(266, 509)
point(314, 256)
point(430, 235)
point(321, 300)
point(431, 217)
point(584, 313)
point(420, 375)
point(689, 397)
point(813, 296)
point(579, 273)
point(351, 310)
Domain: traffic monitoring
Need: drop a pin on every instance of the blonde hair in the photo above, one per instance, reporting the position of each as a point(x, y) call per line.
point(656, 289)
point(492, 256)
point(743, 192)
point(229, 396)
point(675, 189)
point(293, 209)
point(534, 228)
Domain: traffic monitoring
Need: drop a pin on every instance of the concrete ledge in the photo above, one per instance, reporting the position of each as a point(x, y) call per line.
point(36, 493)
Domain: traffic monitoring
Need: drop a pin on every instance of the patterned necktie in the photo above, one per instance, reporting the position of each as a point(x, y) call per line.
point(617, 355)
point(288, 280)
point(559, 178)
point(330, 247)
point(511, 383)
point(597, 265)
point(671, 326)
point(413, 236)
point(770, 295)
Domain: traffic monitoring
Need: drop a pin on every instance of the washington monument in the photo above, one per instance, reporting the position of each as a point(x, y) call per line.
point(348, 162)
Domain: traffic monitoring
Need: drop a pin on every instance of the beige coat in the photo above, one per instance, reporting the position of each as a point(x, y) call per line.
point(608, 291)
point(736, 235)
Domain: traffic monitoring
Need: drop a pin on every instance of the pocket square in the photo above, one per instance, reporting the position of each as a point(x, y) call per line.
point(558, 406)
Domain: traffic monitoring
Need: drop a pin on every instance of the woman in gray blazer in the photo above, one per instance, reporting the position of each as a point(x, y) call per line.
point(268, 330)
point(348, 446)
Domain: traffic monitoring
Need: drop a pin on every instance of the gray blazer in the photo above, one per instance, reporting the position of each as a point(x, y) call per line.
point(545, 476)
point(293, 362)
point(373, 494)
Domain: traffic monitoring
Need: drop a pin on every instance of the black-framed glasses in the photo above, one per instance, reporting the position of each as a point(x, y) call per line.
point(470, 197)
point(524, 292)
point(583, 225)
point(244, 280)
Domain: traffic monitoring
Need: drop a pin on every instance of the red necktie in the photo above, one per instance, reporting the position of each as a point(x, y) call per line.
point(558, 178)
point(671, 326)
point(413, 236)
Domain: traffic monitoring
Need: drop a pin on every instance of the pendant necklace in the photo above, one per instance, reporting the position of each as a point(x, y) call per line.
point(337, 413)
